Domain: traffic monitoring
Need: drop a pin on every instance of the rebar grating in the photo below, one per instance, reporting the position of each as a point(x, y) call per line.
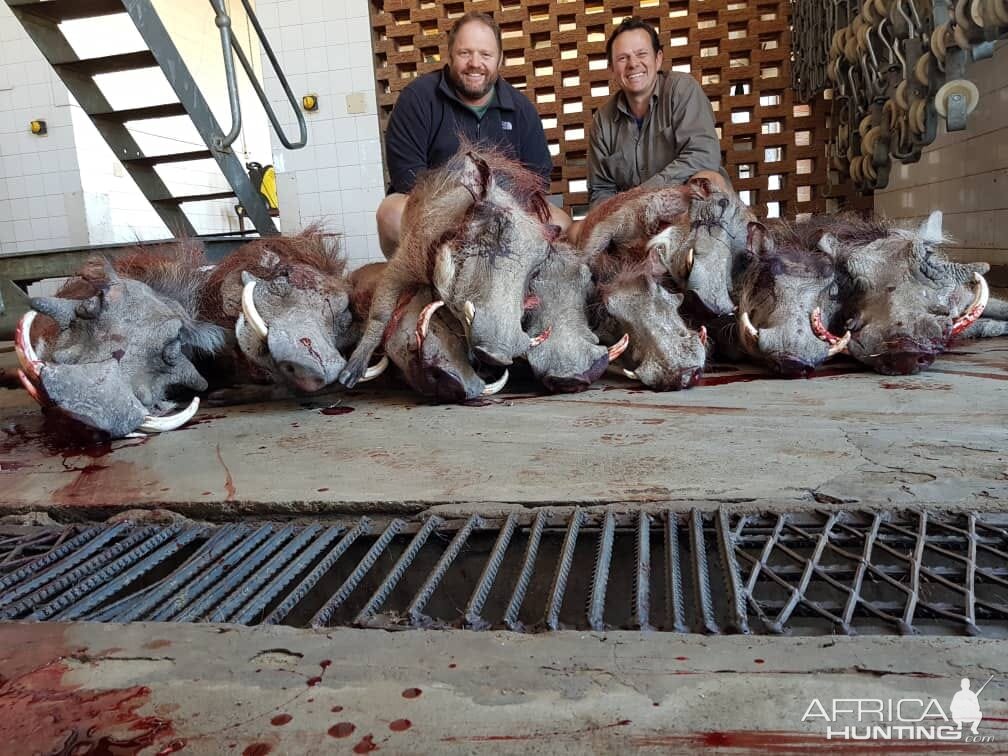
point(807, 573)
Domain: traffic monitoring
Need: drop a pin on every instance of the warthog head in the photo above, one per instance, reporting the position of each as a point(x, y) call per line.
point(114, 352)
point(572, 358)
point(483, 273)
point(788, 297)
point(428, 344)
point(905, 301)
point(664, 353)
point(288, 298)
point(701, 262)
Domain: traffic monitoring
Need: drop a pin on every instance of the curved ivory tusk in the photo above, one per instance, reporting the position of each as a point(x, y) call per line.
point(619, 347)
point(469, 310)
point(32, 389)
point(840, 345)
point(423, 322)
point(703, 335)
point(163, 423)
point(27, 357)
point(252, 316)
point(536, 341)
point(821, 331)
point(689, 261)
point(375, 370)
point(747, 325)
point(492, 388)
point(976, 308)
point(630, 374)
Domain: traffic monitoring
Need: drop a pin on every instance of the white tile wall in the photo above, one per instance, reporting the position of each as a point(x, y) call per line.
point(40, 188)
point(964, 174)
point(325, 49)
point(67, 188)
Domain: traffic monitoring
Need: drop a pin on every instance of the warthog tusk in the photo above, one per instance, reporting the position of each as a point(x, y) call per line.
point(252, 316)
point(27, 357)
point(153, 424)
point(703, 335)
point(840, 346)
point(820, 330)
point(747, 325)
point(689, 261)
point(632, 375)
point(423, 322)
point(32, 389)
point(492, 388)
point(619, 347)
point(536, 341)
point(469, 310)
point(375, 370)
point(976, 308)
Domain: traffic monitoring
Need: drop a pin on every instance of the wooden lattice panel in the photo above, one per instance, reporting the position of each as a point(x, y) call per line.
point(554, 51)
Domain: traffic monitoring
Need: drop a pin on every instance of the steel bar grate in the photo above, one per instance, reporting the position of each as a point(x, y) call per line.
point(808, 573)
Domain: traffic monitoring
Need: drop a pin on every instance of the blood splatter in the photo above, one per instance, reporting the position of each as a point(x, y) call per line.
point(411, 693)
point(452, 665)
point(759, 661)
point(336, 409)
point(175, 745)
point(322, 490)
point(400, 725)
point(257, 749)
point(366, 745)
point(342, 729)
point(723, 380)
point(157, 643)
point(336, 709)
point(313, 681)
point(280, 720)
point(325, 664)
point(682, 658)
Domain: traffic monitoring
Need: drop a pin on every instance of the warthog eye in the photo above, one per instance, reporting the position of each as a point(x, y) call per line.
point(89, 308)
point(172, 352)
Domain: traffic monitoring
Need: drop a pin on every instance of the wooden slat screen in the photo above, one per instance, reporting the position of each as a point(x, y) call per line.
point(554, 51)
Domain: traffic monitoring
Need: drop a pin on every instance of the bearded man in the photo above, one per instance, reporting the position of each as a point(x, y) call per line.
point(466, 98)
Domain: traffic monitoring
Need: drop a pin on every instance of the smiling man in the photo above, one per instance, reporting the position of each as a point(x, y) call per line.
point(657, 130)
point(468, 98)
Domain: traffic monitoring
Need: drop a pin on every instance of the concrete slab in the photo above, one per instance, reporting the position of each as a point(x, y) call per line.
point(845, 437)
point(207, 689)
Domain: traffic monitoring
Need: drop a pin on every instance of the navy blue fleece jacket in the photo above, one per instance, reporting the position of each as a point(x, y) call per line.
point(428, 117)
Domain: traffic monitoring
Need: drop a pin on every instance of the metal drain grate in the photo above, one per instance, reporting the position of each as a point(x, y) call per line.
point(809, 574)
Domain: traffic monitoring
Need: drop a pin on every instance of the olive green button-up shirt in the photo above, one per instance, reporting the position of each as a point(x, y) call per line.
point(676, 139)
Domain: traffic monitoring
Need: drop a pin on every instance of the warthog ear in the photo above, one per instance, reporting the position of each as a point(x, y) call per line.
point(931, 230)
point(268, 259)
point(700, 187)
point(757, 238)
point(828, 244)
point(476, 176)
point(444, 271)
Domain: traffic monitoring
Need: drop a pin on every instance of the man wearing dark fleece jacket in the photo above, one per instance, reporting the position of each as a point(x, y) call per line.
point(466, 97)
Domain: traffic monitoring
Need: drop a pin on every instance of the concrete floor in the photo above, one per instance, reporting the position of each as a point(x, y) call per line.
point(207, 689)
point(844, 437)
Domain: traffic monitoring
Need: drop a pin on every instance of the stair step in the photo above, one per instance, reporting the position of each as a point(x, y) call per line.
point(167, 110)
point(67, 10)
point(193, 198)
point(131, 61)
point(177, 157)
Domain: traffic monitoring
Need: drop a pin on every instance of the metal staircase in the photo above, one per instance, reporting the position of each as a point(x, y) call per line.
point(41, 19)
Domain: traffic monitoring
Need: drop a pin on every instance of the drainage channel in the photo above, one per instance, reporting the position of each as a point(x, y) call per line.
point(809, 573)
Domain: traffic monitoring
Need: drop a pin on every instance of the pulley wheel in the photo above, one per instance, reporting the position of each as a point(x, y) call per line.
point(963, 87)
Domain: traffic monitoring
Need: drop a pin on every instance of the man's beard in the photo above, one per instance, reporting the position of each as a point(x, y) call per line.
point(468, 92)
